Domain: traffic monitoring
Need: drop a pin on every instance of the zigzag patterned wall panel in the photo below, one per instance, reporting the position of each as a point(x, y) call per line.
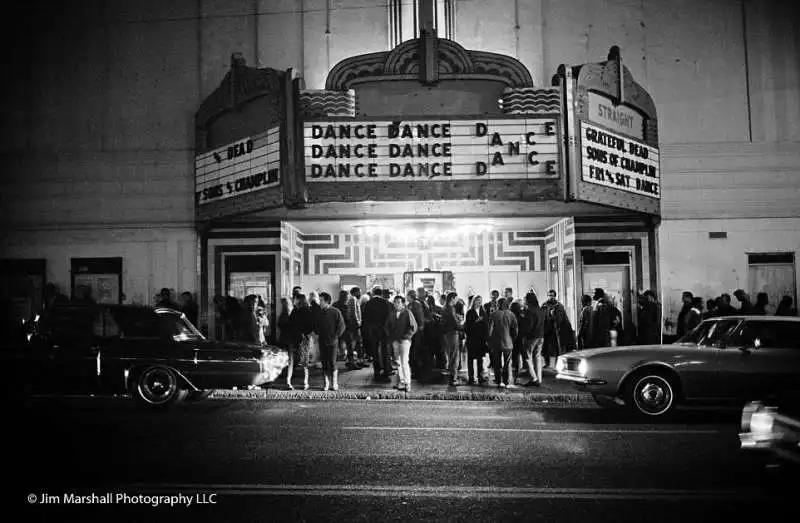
point(459, 252)
point(352, 253)
point(323, 252)
point(522, 251)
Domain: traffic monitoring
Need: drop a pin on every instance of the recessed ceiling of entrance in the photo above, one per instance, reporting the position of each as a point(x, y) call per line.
point(496, 224)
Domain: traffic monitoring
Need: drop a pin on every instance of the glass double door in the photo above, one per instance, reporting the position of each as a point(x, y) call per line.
point(253, 275)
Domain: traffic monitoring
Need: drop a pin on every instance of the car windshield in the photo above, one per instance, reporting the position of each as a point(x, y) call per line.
point(709, 332)
point(179, 327)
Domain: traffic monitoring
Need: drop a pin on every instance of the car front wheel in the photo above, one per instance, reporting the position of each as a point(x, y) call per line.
point(651, 394)
point(159, 387)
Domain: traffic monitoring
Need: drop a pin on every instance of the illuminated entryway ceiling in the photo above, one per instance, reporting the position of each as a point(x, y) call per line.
point(420, 225)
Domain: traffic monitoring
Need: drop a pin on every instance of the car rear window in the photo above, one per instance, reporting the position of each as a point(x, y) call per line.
point(138, 323)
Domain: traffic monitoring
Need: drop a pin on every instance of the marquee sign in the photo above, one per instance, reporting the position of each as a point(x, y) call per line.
point(432, 150)
point(614, 161)
point(618, 118)
point(238, 168)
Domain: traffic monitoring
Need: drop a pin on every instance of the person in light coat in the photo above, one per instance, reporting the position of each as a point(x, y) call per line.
point(503, 328)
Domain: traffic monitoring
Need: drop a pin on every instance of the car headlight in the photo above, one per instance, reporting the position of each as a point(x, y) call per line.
point(747, 415)
point(583, 368)
point(761, 423)
point(561, 364)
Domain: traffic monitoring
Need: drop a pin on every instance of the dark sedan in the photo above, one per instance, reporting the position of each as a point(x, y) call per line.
point(155, 355)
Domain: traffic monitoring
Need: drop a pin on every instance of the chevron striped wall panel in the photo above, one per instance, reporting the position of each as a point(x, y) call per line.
point(322, 253)
point(457, 252)
point(286, 241)
point(362, 254)
point(531, 100)
point(561, 238)
point(323, 104)
point(521, 251)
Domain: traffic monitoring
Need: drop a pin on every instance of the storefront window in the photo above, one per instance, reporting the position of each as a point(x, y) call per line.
point(97, 278)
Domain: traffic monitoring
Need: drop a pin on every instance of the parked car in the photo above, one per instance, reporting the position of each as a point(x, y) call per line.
point(773, 426)
point(733, 358)
point(155, 355)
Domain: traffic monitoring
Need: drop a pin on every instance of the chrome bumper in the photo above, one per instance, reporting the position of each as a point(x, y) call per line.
point(580, 379)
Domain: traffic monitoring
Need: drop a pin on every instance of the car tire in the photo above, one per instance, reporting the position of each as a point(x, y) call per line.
point(651, 394)
point(158, 387)
point(199, 395)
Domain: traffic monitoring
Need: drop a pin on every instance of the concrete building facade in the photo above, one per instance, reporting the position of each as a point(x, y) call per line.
point(99, 141)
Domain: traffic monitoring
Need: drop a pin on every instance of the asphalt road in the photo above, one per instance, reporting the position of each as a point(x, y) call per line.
point(253, 460)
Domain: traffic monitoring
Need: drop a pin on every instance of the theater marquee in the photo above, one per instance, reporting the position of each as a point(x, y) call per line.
point(432, 150)
point(238, 168)
point(617, 162)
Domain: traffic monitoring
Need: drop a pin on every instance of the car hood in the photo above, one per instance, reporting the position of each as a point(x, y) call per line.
point(632, 349)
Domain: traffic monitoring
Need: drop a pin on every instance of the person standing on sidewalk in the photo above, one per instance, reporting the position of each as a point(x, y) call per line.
point(477, 329)
point(451, 325)
point(376, 312)
point(346, 339)
point(585, 323)
point(417, 342)
point(330, 327)
point(532, 334)
point(516, 355)
point(302, 324)
point(558, 333)
point(401, 326)
point(503, 329)
point(356, 353)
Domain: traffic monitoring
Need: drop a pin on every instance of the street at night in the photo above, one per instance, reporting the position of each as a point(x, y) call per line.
point(260, 460)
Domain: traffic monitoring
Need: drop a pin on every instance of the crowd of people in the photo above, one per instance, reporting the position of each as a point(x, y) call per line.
point(245, 320)
point(425, 335)
point(692, 310)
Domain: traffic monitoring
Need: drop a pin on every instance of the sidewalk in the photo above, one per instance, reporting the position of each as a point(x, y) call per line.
point(359, 384)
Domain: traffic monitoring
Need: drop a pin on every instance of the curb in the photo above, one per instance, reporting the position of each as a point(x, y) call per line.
point(380, 394)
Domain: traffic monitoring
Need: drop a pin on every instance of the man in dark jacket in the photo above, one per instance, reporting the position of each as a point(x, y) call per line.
point(559, 337)
point(491, 305)
point(401, 326)
point(648, 328)
point(417, 342)
point(532, 334)
point(724, 307)
point(602, 320)
point(330, 326)
point(189, 307)
point(746, 306)
point(585, 323)
point(376, 312)
point(688, 317)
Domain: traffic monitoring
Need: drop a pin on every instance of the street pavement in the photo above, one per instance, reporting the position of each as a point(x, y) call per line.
point(233, 460)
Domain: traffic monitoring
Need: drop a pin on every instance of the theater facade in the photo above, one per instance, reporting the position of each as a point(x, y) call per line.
point(429, 165)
